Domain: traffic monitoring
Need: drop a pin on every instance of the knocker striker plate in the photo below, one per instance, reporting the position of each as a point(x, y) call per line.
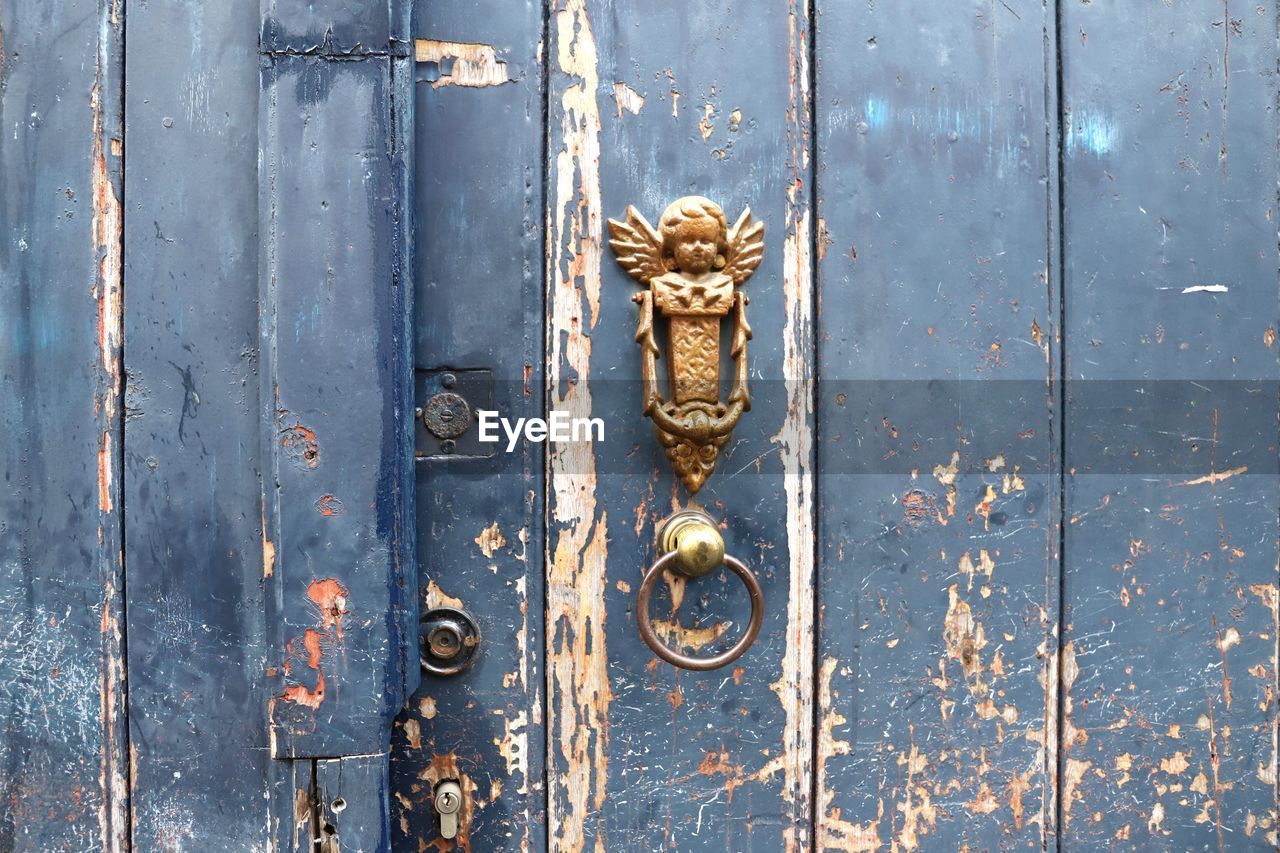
point(691, 264)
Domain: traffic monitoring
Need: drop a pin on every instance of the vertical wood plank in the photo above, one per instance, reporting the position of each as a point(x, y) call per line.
point(478, 132)
point(938, 573)
point(336, 405)
point(1170, 634)
point(63, 749)
point(294, 825)
point(196, 544)
point(646, 105)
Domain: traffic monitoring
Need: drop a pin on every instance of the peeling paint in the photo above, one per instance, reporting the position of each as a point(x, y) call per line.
point(268, 547)
point(1074, 774)
point(108, 243)
point(329, 506)
point(330, 598)
point(675, 635)
point(513, 746)
point(627, 99)
point(795, 685)
point(985, 566)
point(965, 639)
point(490, 540)
point(434, 597)
point(578, 688)
point(834, 832)
point(472, 66)
point(705, 126)
point(1215, 477)
point(299, 446)
point(413, 733)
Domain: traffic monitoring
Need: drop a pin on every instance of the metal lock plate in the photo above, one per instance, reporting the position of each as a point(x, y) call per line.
point(445, 404)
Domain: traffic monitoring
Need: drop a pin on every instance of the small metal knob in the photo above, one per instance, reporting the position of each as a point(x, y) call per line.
point(697, 542)
point(450, 641)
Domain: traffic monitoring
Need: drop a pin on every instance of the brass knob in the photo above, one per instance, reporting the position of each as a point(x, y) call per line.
point(697, 542)
point(693, 547)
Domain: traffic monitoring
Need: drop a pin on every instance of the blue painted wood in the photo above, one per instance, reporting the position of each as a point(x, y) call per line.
point(1170, 557)
point(642, 755)
point(352, 805)
point(478, 215)
point(63, 749)
point(335, 406)
point(261, 474)
point(196, 602)
point(355, 27)
point(937, 450)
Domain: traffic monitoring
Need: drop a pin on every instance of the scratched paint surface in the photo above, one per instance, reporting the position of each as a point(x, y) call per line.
point(1169, 664)
point(903, 513)
point(642, 756)
point(334, 366)
point(62, 750)
point(937, 577)
point(196, 632)
point(479, 304)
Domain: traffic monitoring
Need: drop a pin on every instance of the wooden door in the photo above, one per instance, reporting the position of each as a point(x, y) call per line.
point(1008, 482)
point(937, 420)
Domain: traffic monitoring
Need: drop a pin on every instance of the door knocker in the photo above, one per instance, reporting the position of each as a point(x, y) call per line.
point(691, 265)
point(693, 548)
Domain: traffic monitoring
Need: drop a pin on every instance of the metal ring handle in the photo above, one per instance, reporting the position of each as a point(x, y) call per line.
point(688, 661)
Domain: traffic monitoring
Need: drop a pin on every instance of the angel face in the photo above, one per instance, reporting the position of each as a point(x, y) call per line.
point(695, 243)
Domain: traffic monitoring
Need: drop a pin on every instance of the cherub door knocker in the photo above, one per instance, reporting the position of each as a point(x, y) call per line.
point(691, 264)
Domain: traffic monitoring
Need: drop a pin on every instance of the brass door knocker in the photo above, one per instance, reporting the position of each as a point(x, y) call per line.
point(691, 264)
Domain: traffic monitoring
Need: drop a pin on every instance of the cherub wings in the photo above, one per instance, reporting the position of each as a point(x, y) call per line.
point(639, 247)
point(746, 248)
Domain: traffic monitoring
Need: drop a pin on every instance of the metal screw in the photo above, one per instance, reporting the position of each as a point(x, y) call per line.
point(448, 445)
point(448, 380)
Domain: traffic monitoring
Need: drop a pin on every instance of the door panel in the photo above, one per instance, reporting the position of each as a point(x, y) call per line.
point(1169, 661)
point(63, 745)
point(938, 576)
point(192, 491)
point(645, 108)
point(479, 307)
point(334, 385)
point(1013, 446)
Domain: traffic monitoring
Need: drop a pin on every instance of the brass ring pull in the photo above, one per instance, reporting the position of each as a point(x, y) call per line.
point(693, 549)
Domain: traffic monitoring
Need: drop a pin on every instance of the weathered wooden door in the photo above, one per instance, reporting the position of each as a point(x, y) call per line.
point(1008, 481)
